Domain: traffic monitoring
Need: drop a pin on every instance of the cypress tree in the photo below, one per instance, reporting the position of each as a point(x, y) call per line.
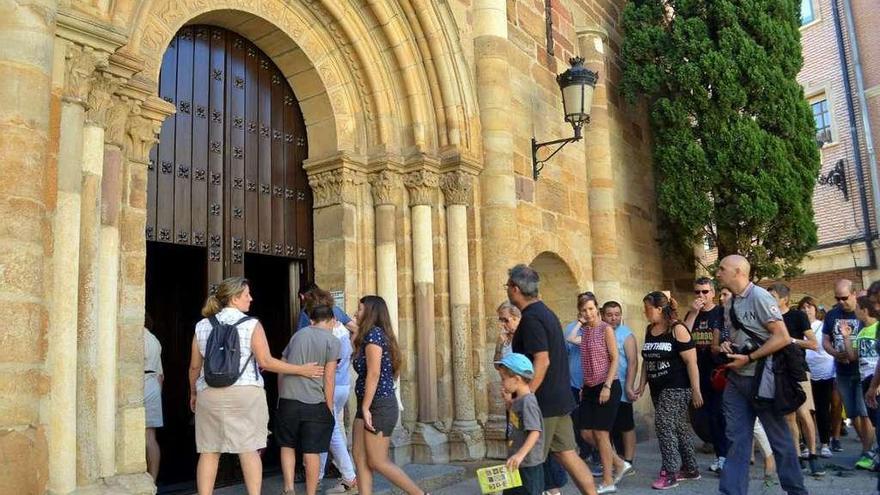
point(734, 144)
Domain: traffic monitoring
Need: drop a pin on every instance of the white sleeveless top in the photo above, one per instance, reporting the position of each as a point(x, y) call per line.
point(245, 331)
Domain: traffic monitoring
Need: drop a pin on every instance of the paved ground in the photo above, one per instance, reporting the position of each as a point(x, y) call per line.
point(459, 480)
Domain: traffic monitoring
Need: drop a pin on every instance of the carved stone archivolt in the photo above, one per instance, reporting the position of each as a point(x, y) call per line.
point(335, 187)
point(81, 62)
point(422, 185)
point(457, 187)
point(384, 187)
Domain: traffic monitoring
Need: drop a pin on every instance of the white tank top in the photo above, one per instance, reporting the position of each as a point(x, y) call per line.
point(245, 331)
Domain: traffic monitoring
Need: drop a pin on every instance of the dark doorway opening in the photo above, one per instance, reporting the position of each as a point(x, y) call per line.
point(176, 279)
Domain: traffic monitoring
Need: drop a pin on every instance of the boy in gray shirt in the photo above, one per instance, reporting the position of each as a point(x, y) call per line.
point(526, 444)
point(304, 420)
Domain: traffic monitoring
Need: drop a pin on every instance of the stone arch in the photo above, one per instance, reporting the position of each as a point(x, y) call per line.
point(559, 287)
point(376, 78)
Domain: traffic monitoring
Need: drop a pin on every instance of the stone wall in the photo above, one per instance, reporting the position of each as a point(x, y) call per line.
point(419, 119)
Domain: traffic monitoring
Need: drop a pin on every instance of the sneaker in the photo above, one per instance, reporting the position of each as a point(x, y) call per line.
point(718, 465)
point(805, 453)
point(627, 467)
point(665, 481)
point(835, 445)
point(825, 452)
point(816, 470)
point(691, 475)
point(612, 488)
point(865, 462)
point(344, 487)
point(597, 470)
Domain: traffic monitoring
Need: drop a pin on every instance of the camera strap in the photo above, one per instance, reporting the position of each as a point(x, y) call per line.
point(737, 324)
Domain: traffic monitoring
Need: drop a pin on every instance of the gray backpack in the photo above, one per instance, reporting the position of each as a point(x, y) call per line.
point(223, 353)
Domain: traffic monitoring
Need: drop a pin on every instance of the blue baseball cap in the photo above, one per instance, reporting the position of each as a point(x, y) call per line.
point(518, 364)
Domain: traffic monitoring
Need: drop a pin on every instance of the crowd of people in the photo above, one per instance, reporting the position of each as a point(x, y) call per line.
point(750, 368)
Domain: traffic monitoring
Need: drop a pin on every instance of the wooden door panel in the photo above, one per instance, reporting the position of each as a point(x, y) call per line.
point(227, 172)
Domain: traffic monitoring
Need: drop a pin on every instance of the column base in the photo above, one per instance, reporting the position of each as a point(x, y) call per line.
point(495, 435)
point(131, 484)
point(429, 445)
point(401, 446)
point(466, 442)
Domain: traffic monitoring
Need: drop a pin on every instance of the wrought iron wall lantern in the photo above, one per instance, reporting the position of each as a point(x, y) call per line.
point(577, 85)
point(836, 177)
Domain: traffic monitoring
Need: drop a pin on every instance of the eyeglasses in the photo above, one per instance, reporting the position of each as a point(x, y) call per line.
point(841, 299)
point(698, 292)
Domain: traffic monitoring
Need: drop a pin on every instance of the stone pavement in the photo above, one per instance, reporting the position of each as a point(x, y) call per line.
point(459, 480)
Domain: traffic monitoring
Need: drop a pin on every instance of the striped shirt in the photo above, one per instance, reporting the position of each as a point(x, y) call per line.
point(595, 360)
point(229, 316)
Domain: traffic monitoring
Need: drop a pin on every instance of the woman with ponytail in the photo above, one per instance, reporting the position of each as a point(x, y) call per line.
point(234, 419)
point(669, 366)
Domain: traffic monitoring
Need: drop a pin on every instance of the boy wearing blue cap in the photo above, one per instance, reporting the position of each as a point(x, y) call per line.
point(525, 446)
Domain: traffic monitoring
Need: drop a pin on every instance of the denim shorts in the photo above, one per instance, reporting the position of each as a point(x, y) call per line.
point(850, 389)
point(384, 414)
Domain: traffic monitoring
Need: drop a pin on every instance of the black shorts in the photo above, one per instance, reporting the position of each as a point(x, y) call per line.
point(384, 411)
point(306, 428)
point(595, 416)
point(624, 420)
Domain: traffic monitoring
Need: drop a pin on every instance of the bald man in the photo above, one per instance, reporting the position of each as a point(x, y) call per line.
point(757, 312)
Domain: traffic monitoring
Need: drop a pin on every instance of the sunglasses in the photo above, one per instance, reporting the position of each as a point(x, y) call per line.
point(504, 320)
point(841, 299)
point(704, 292)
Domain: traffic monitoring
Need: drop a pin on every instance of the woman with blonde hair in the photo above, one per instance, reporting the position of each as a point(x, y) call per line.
point(234, 419)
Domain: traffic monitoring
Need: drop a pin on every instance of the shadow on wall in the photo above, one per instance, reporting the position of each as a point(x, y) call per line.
point(559, 288)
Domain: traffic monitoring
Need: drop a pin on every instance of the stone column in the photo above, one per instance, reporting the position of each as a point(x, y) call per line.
point(108, 288)
point(80, 63)
point(384, 189)
point(28, 141)
point(607, 275)
point(497, 183)
point(428, 442)
point(88, 341)
point(141, 130)
point(466, 437)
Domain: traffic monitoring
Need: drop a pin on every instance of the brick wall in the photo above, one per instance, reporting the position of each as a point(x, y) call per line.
point(820, 285)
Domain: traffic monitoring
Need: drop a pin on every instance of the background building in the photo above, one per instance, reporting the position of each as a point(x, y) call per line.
point(841, 80)
point(375, 147)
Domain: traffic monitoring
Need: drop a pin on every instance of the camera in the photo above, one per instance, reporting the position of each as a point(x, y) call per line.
point(746, 348)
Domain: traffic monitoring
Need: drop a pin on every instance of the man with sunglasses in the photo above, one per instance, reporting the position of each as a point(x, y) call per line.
point(847, 370)
point(705, 319)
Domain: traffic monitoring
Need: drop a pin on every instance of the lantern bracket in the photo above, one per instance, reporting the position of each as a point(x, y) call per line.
point(538, 165)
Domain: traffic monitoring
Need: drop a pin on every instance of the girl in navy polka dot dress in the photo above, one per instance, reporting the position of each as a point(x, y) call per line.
point(377, 363)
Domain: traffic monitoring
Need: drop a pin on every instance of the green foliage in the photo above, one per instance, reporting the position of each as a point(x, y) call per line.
point(734, 139)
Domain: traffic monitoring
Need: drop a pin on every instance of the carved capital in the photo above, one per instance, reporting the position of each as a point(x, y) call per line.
point(335, 187)
point(141, 134)
point(116, 121)
point(81, 62)
point(100, 98)
point(421, 185)
point(385, 185)
point(457, 187)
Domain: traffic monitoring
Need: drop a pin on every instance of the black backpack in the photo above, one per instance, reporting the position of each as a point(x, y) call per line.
point(223, 353)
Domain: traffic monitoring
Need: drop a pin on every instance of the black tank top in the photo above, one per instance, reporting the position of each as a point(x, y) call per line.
point(663, 362)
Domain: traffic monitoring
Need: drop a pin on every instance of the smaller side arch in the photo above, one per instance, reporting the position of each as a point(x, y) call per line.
point(558, 285)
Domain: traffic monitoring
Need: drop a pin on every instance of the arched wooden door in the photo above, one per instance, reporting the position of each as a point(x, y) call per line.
point(227, 173)
point(227, 196)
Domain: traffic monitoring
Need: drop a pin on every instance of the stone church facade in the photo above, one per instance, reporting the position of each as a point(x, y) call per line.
point(418, 116)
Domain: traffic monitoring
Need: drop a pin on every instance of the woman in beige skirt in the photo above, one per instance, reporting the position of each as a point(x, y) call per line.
point(234, 419)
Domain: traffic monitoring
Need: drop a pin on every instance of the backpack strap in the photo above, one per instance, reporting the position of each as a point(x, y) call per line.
point(251, 358)
point(737, 324)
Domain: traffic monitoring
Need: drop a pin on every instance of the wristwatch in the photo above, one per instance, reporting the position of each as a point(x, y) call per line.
point(605, 385)
point(794, 341)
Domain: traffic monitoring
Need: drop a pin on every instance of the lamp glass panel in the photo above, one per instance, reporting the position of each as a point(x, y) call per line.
point(573, 102)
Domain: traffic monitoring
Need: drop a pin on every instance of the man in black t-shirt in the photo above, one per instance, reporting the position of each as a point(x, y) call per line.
point(802, 335)
point(705, 321)
point(539, 336)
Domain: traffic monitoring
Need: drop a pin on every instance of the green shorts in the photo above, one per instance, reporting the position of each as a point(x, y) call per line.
point(558, 434)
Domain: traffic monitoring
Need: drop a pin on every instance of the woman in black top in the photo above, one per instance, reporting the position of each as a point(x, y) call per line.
point(669, 366)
